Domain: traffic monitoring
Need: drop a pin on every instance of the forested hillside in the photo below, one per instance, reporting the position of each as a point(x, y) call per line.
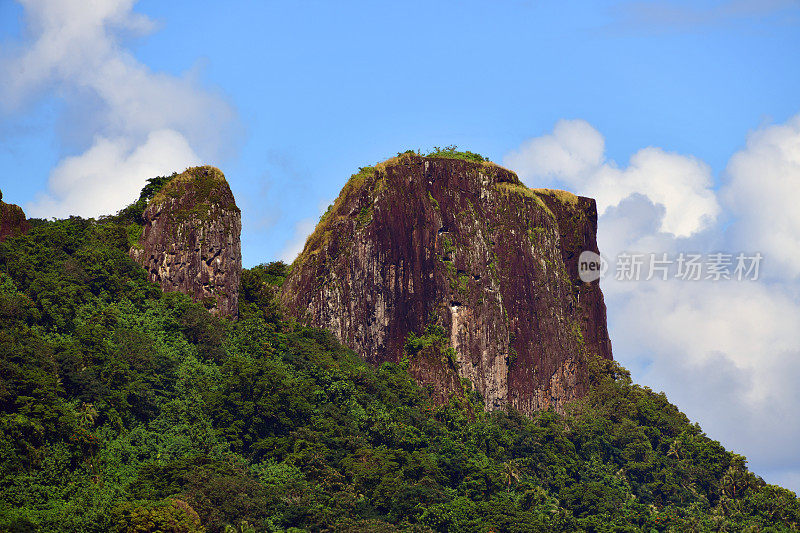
point(123, 408)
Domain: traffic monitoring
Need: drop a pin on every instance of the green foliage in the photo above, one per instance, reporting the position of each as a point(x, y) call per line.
point(433, 334)
point(433, 200)
point(324, 215)
point(436, 337)
point(169, 517)
point(134, 234)
point(463, 281)
point(131, 216)
point(512, 357)
point(259, 289)
point(535, 234)
point(364, 216)
point(203, 190)
point(154, 186)
point(448, 249)
point(451, 152)
point(126, 409)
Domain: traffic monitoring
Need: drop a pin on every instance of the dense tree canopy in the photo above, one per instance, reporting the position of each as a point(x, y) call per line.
point(123, 408)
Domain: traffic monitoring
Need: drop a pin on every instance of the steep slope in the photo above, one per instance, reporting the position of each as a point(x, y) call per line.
point(12, 220)
point(191, 240)
point(123, 408)
point(458, 268)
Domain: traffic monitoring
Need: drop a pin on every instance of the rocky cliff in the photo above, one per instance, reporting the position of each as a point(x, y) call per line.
point(460, 270)
point(12, 220)
point(190, 241)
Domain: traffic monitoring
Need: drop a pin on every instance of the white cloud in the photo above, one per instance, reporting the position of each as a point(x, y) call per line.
point(763, 182)
point(573, 155)
point(715, 392)
point(750, 325)
point(302, 230)
point(727, 353)
point(295, 245)
point(574, 150)
point(110, 174)
point(75, 53)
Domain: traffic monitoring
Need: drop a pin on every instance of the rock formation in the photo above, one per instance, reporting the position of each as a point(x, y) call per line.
point(12, 220)
point(462, 271)
point(191, 240)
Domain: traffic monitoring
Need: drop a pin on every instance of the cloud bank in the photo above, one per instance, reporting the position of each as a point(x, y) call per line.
point(574, 155)
point(131, 123)
point(726, 352)
point(761, 191)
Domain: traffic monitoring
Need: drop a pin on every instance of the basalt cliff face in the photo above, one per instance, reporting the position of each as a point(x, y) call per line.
point(191, 240)
point(12, 220)
point(459, 270)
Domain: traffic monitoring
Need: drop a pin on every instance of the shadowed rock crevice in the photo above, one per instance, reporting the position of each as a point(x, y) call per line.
point(465, 246)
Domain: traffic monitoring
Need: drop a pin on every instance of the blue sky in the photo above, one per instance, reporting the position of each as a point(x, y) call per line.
point(320, 88)
point(290, 98)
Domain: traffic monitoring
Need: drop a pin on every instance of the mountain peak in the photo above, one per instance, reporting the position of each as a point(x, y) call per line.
point(190, 240)
point(454, 266)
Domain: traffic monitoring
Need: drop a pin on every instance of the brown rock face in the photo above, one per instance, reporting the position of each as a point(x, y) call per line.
point(456, 254)
point(191, 240)
point(13, 221)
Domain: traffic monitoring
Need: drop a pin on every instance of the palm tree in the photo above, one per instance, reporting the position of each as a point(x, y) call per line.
point(675, 449)
point(510, 473)
point(86, 415)
point(736, 478)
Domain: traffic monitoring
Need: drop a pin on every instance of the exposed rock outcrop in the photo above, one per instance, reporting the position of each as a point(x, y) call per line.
point(191, 240)
point(416, 246)
point(13, 221)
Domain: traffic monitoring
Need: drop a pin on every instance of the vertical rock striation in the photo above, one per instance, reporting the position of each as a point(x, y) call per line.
point(420, 247)
point(191, 240)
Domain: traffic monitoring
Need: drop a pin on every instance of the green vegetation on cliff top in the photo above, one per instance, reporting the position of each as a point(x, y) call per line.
point(201, 188)
point(123, 408)
point(452, 152)
point(205, 182)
